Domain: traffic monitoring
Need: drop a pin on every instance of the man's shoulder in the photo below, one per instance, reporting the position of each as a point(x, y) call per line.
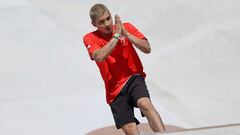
point(89, 35)
point(127, 24)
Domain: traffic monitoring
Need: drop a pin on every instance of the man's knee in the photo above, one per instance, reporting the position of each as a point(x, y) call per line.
point(145, 104)
point(130, 129)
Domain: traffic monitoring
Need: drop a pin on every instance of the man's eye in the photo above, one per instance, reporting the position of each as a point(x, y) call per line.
point(101, 22)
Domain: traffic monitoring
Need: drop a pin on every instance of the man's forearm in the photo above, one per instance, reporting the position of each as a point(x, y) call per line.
point(102, 53)
point(141, 44)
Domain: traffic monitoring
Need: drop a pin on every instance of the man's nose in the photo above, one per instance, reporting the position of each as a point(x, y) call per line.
point(106, 23)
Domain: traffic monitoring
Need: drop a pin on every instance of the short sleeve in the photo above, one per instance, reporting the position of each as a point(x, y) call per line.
point(90, 44)
point(133, 30)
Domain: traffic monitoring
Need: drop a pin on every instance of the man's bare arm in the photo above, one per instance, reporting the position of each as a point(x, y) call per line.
point(141, 44)
point(102, 53)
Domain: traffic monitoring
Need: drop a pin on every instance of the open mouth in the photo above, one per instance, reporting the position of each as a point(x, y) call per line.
point(109, 29)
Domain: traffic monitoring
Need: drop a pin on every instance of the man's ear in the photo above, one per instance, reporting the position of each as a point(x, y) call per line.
point(93, 23)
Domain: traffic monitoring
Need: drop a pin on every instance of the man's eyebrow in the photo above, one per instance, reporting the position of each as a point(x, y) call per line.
point(104, 19)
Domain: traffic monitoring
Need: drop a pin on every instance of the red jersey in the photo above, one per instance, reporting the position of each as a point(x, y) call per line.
point(122, 63)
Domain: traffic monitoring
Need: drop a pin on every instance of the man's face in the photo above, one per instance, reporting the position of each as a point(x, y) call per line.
point(104, 23)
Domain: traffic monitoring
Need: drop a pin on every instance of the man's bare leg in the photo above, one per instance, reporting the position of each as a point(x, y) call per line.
point(152, 115)
point(130, 129)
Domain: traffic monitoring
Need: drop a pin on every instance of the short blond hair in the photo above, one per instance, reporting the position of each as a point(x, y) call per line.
point(97, 10)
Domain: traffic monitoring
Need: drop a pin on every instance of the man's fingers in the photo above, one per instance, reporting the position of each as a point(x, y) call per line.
point(117, 19)
point(117, 16)
point(118, 24)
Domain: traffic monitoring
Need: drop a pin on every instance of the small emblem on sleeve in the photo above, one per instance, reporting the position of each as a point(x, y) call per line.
point(122, 39)
point(88, 46)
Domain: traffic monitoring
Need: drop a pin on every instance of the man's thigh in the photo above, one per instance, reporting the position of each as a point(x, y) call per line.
point(123, 112)
point(139, 90)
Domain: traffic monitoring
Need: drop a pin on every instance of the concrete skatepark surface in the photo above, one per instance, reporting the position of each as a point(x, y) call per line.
point(48, 85)
point(231, 129)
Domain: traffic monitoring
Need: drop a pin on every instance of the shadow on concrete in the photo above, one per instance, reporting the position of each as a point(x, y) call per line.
point(143, 128)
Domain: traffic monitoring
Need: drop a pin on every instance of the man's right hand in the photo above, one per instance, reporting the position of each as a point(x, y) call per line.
point(118, 25)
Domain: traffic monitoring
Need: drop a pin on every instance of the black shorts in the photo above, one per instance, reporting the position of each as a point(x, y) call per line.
point(123, 105)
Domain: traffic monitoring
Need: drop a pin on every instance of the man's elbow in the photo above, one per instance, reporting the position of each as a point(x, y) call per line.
point(97, 58)
point(147, 50)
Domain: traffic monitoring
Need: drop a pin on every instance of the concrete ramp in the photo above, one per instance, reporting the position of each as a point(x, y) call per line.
point(233, 129)
point(230, 129)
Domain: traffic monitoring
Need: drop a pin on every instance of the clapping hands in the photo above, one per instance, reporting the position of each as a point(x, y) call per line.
point(119, 26)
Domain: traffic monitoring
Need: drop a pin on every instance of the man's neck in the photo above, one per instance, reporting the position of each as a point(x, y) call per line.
point(105, 36)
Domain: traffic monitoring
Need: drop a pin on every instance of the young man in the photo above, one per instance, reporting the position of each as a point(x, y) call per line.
point(112, 48)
